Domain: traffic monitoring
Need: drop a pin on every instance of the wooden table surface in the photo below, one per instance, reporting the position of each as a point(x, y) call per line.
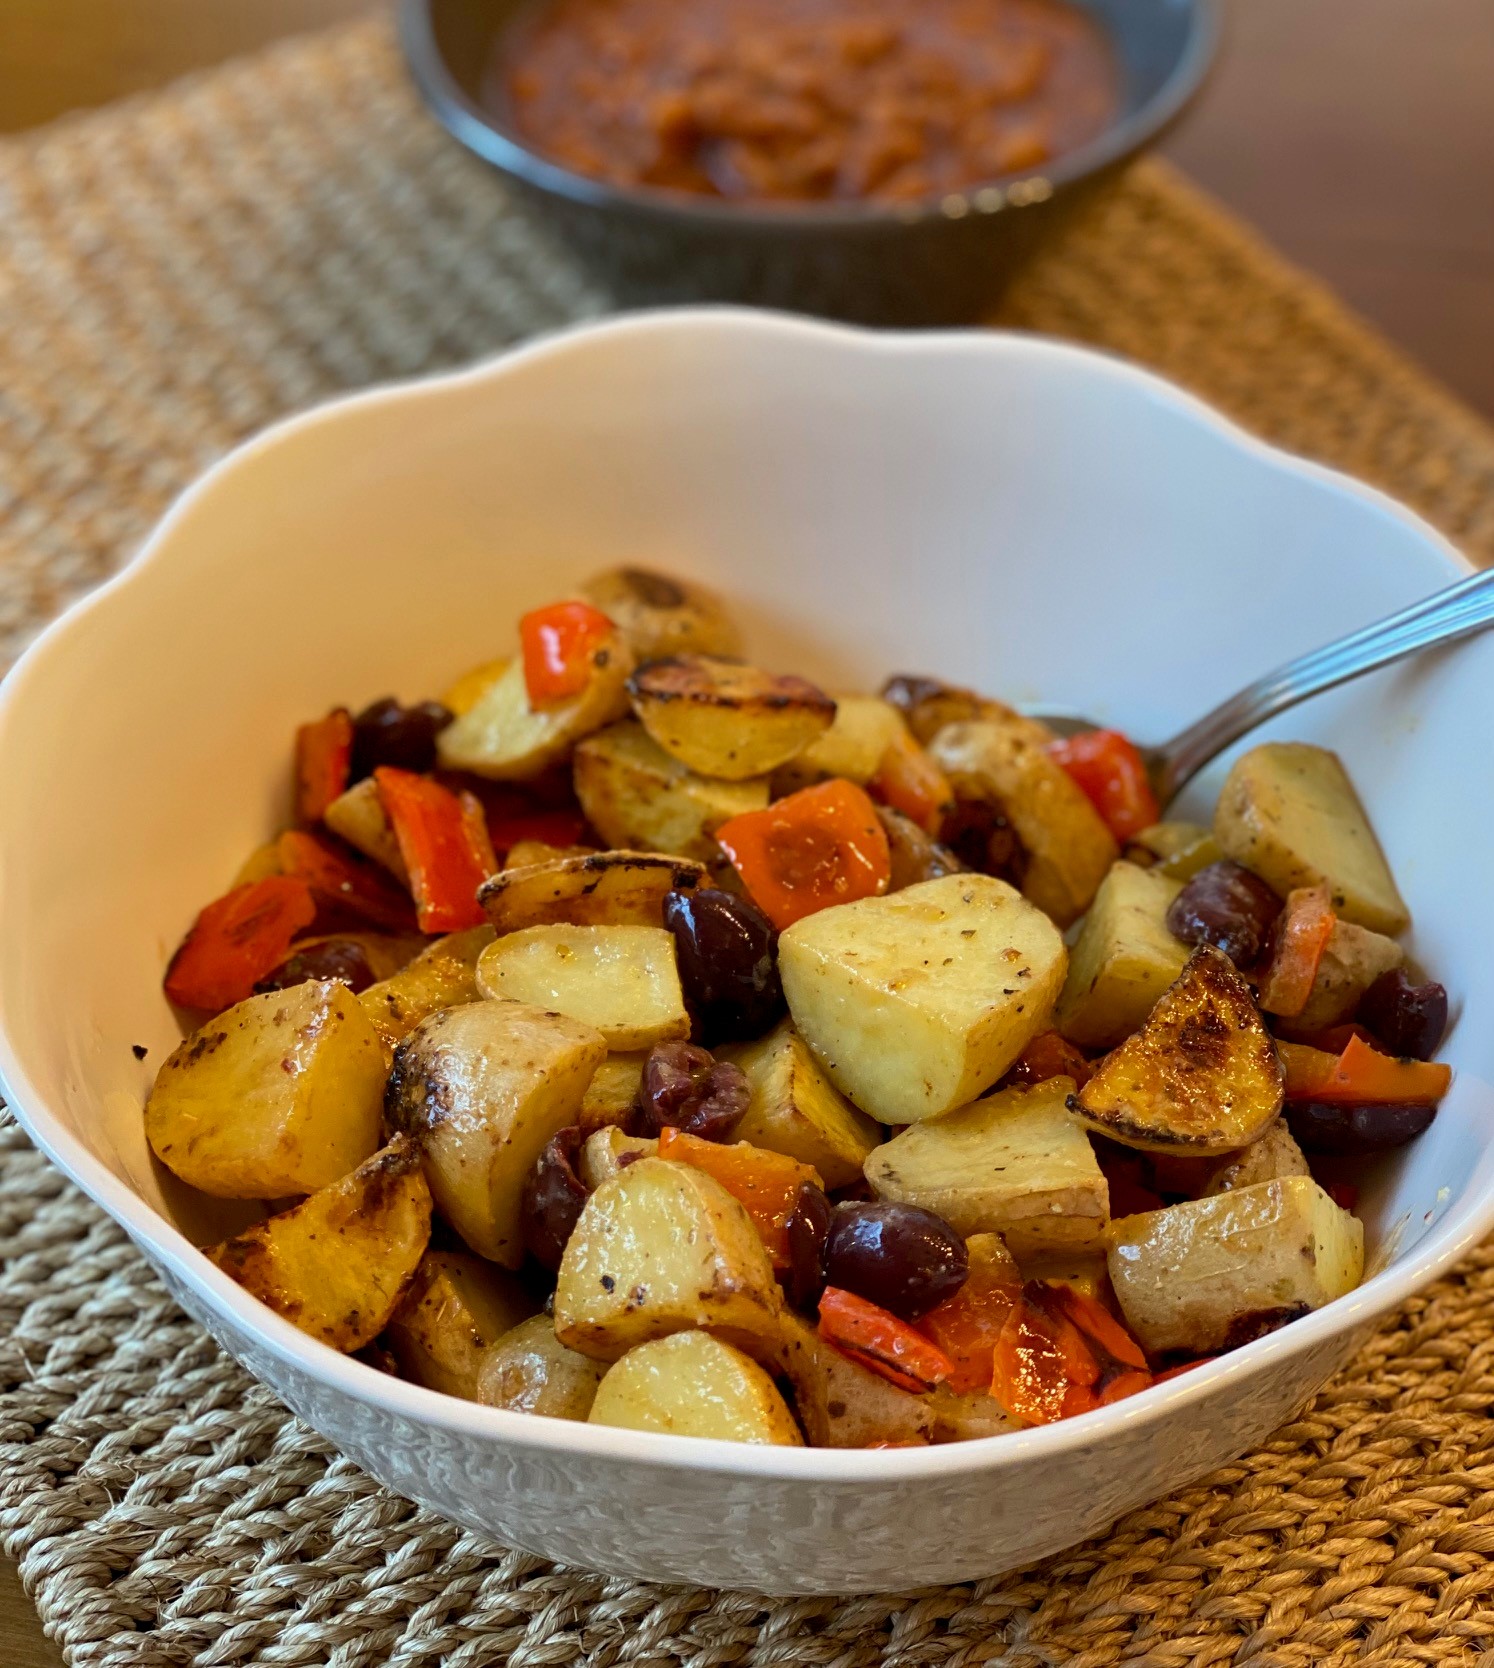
point(1358, 135)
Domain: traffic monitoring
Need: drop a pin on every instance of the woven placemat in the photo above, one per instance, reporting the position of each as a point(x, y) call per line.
point(175, 273)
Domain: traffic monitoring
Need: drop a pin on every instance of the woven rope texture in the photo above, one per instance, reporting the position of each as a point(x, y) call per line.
point(175, 274)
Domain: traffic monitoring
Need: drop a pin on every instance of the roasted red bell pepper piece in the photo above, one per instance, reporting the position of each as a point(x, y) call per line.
point(967, 1325)
point(823, 845)
point(1061, 1353)
point(436, 839)
point(324, 752)
point(765, 1184)
point(1049, 1055)
point(1109, 768)
point(909, 781)
point(345, 885)
point(1302, 934)
point(237, 940)
point(507, 827)
point(1361, 1076)
point(560, 645)
point(880, 1342)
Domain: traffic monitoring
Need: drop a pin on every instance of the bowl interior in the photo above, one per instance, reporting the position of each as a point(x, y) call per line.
point(1033, 519)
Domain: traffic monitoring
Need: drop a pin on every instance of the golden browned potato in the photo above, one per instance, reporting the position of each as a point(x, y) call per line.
point(915, 856)
point(622, 980)
point(692, 1384)
point(840, 1403)
point(613, 1090)
point(796, 1110)
point(928, 705)
point(454, 1310)
point(968, 1417)
point(470, 688)
point(1352, 960)
point(358, 817)
point(613, 888)
point(482, 1088)
point(336, 1264)
point(529, 1370)
point(1270, 1157)
point(1017, 1164)
point(724, 718)
point(1162, 840)
point(1218, 1272)
point(444, 975)
point(603, 1152)
point(278, 1095)
point(915, 1003)
point(524, 854)
point(1184, 864)
point(1200, 1077)
point(1006, 764)
point(506, 739)
point(1122, 960)
point(865, 726)
point(1289, 812)
point(665, 1248)
point(660, 615)
point(639, 798)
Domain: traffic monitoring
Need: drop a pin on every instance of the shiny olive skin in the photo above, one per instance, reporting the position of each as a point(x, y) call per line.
point(727, 953)
point(1348, 1131)
point(552, 1198)
point(1226, 906)
point(1408, 1019)
point(343, 959)
point(808, 1229)
point(981, 838)
point(899, 1256)
point(387, 733)
point(685, 1087)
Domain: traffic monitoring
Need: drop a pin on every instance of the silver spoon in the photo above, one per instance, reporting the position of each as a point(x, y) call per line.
point(1444, 617)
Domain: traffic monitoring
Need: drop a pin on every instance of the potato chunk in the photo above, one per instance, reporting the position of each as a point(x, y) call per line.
point(664, 1248)
point(529, 1370)
point(916, 1002)
point(639, 798)
point(482, 1088)
point(1006, 764)
point(336, 1264)
point(1220, 1271)
point(359, 817)
point(1201, 1076)
point(853, 747)
point(278, 1095)
point(613, 1090)
point(604, 1151)
point(453, 1311)
point(504, 738)
point(607, 888)
point(1352, 960)
point(659, 615)
point(1163, 840)
point(1289, 812)
point(1270, 1157)
point(724, 718)
point(840, 1403)
point(622, 980)
point(1016, 1164)
point(691, 1384)
point(1123, 959)
point(928, 705)
point(796, 1110)
point(444, 975)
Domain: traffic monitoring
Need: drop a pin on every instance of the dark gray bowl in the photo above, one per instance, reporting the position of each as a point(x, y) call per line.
point(939, 262)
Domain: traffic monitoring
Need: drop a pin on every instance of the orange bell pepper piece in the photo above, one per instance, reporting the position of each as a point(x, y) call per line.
point(823, 845)
point(1302, 936)
point(967, 1325)
point(909, 781)
point(324, 753)
point(1049, 1055)
point(877, 1340)
point(765, 1184)
point(1361, 1076)
point(1112, 773)
point(1061, 1353)
point(237, 940)
point(346, 884)
point(445, 861)
point(560, 645)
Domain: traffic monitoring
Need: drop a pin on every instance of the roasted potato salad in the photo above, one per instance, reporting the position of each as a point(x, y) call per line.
point(640, 1037)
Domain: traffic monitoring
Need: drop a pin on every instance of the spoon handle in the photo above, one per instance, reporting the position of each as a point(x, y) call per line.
point(1443, 617)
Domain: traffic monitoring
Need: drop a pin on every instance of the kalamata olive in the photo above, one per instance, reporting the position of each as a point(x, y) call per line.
point(552, 1198)
point(1407, 1018)
point(727, 953)
point(808, 1229)
point(1226, 906)
point(901, 1256)
point(388, 734)
point(685, 1087)
point(1349, 1130)
point(333, 958)
point(982, 838)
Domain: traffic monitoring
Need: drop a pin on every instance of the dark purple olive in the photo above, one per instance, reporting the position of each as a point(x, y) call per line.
point(684, 1087)
point(343, 959)
point(552, 1198)
point(981, 837)
point(727, 953)
point(388, 734)
point(808, 1229)
point(1346, 1131)
point(1226, 906)
point(900, 1256)
point(1407, 1019)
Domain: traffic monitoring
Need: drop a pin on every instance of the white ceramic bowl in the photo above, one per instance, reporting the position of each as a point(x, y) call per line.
point(1007, 511)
